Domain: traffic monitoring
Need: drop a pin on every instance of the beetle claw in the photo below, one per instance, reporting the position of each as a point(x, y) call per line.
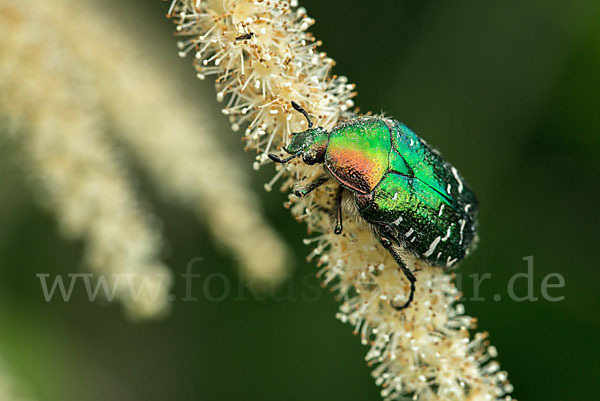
point(275, 158)
point(409, 301)
point(278, 159)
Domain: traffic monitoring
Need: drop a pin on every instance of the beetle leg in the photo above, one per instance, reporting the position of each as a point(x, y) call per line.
point(338, 210)
point(387, 244)
point(316, 183)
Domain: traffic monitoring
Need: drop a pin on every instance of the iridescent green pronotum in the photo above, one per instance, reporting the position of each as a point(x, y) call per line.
point(404, 189)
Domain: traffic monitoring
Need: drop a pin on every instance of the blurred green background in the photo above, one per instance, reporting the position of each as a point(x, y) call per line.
point(508, 91)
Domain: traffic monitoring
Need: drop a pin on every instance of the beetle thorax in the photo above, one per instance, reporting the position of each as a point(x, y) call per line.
point(358, 153)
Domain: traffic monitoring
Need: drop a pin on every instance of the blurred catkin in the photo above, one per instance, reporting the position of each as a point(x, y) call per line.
point(171, 137)
point(71, 104)
point(46, 96)
point(262, 58)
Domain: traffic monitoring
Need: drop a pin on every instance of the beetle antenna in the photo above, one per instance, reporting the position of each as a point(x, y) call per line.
point(299, 108)
point(277, 159)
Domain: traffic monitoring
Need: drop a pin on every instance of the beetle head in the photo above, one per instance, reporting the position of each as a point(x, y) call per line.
point(310, 144)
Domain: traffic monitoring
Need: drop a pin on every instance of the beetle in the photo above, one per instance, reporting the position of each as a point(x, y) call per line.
point(407, 192)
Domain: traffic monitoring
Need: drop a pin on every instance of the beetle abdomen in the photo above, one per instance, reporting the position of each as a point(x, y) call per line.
point(423, 220)
point(430, 167)
point(358, 153)
point(424, 201)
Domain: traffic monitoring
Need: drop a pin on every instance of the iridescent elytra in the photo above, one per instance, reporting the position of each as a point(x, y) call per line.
point(407, 192)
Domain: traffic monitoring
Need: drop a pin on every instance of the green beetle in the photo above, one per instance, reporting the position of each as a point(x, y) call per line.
point(404, 189)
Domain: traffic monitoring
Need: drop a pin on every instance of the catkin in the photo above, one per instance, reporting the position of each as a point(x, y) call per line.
point(262, 58)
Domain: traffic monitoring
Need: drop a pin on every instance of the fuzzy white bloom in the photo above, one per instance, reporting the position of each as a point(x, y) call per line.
point(262, 58)
point(47, 97)
point(65, 98)
point(172, 138)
